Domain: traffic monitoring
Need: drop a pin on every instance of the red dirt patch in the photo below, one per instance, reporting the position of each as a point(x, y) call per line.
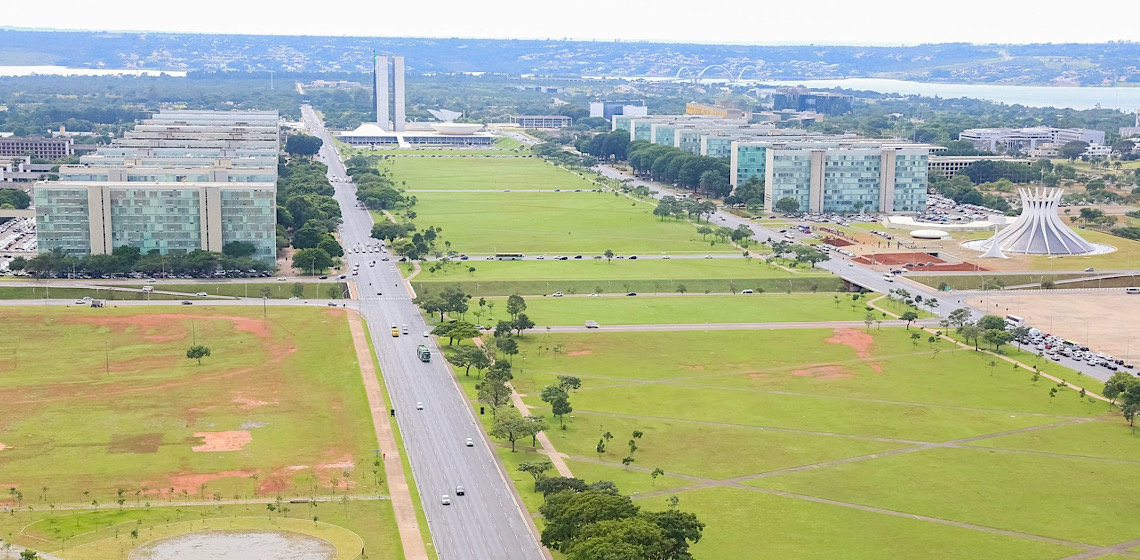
point(3, 447)
point(580, 353)
point(895, 259)
point(248, 403)
point(697, 368)
point(232, 440)
point(757, 376)
point(877, 367)
point(191, 483)
point(824, 372)
point(856, 339)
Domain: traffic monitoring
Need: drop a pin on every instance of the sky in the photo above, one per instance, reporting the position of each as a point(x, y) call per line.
point(851, 22)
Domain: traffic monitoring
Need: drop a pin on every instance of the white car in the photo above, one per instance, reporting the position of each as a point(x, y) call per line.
point(470, 442)
point(281, 278)
point(427, 334)
point(79, 302)
point(419, 405)
point(592, 295)
point(708, 256)
point(445, 500)
point(541, 257)
point(557, 294)
point(201, 294)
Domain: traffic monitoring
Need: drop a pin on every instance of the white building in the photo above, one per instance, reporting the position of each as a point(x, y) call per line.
point(1025, 139)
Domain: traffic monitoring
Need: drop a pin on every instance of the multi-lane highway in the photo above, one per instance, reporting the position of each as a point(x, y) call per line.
point(487, 522)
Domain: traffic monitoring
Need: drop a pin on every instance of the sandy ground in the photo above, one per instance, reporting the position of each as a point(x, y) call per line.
point(222, 441)
point(859, 340)
point(238, 545)
point(1102, 321)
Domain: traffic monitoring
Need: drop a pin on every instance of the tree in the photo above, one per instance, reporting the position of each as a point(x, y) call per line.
point(555, 484)
point(991, 322)
point(303, 145)
point(1073, 150)
point(535, 425)
point(311, 260)
point(298, 290)
point(569, 382)
point(197, 352)
point(507, 345)
point(509, 426)
point(958, 318)
point(522, 323)
point(494, 393)
point(787, 205)
point(909, 317)
point(609, 254)
point(914, 338)
point(567, 513)
point(515, 305)
point(559, 401)
point(626, 537)
point(537, 469)
point(680, 528)
point(456, 329)
point(238, 249)
point(682, 289)
point(1118, 384)
point(464, 357)
point(28, 554)
point(972, 332)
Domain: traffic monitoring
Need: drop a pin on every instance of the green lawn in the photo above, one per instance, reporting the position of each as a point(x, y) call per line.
point(479, 173)
point(1126, 255)
point(277, 290)
point(104, 534)
point(491, 278)
point(1104, 438)
point(97, 400)
point(572, 223)
point(747, 524)
point(740, 308)
point(1067, 498)
point(43, 292)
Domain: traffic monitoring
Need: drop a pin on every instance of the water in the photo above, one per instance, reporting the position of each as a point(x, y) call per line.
point(65, 71)
point(1123, 98)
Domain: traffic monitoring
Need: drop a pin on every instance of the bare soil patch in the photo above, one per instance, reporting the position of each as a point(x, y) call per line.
point(580, 353)
point(248, 403)
point(876, 367)
point(856, 339)
point(232, 440)
point(695, 368)
point(824, 372)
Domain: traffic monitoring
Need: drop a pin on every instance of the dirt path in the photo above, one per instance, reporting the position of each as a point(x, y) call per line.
point(544, 443)
point(409, 528)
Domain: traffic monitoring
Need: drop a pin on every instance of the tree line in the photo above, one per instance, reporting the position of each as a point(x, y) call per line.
point(307, 214)
point(236, 255)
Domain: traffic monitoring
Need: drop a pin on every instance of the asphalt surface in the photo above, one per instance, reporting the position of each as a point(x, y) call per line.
point(488, 522)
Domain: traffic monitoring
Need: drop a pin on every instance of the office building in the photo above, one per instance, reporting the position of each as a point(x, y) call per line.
point(628, 107)
point(723, 112)
point(46, 148)
point(947, 166)
point(798, 99)
point(1025, 139)
point(835, 175)
point(541, 121)
point(181, 181)
point(388, 92)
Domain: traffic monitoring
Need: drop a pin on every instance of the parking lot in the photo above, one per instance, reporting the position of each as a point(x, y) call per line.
point(18, 235)
point(1100, 321)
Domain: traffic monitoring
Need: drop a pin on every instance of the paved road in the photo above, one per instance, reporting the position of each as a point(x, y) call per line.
point(488, 522)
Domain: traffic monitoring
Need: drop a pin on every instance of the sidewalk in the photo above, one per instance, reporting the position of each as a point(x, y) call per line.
point(409, 528)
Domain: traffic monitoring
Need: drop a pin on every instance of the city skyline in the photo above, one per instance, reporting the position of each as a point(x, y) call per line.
point(892, 22)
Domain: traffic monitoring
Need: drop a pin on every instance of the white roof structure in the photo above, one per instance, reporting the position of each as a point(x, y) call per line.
point(1039, 230)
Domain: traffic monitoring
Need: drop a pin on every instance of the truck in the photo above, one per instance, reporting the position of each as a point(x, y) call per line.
point(425, 353)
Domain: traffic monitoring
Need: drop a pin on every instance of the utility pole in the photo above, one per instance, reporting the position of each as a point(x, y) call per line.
point(107, 356)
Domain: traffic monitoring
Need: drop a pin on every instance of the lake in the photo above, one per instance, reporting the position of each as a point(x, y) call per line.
point(65, 71)
point(1123, 98)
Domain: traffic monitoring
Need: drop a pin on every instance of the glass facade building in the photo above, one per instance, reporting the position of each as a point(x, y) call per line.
point(67, 226)
point(218, 186)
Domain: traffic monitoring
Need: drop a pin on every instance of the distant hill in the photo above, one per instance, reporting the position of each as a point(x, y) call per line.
point(1062, 64)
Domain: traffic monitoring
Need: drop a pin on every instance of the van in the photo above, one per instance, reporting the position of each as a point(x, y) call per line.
point(1132, 290)
point(746, 291)
point(148, 288)
point(888, 278)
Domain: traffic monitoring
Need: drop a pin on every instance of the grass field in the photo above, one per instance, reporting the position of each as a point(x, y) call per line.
point(548, 223)
point(761, 429)
point(277, 290)
point(479, 173)
point(102, 400)
point(104, 534)
point(492, 278)
point(675, 309)
point(31, 292)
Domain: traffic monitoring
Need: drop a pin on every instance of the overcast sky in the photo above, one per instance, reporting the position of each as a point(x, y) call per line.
point(865, 22)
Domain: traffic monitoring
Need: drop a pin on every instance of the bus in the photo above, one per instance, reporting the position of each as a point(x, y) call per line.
point(1018, 321)
point(509, 256)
